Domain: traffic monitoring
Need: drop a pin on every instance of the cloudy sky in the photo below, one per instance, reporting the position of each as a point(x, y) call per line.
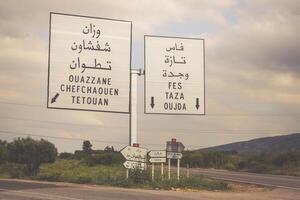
point(252, 71)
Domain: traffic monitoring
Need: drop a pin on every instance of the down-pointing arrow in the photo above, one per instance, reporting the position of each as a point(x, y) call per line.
point(54, 98)
point(152, 102)
point(197, 103)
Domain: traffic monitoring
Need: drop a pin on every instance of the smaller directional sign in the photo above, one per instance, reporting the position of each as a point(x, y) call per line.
point(136, 154)
point(174, 155)
point(157, 156)
point(175, 146)
point(158, 160)
point(134, 165)
point(157, 153)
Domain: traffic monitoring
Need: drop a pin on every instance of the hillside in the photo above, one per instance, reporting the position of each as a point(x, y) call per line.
point(276, 144)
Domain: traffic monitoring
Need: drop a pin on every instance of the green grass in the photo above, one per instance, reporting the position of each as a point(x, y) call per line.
point(4, 171)
point(114, 175)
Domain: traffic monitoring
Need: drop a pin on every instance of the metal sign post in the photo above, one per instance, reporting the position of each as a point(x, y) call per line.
point(157, 156)
point(136, 158)
point(162, 171)
point(152, 171)
point(173, 152)
point(169, 169)
point(187, 171)
point(133, 114)
point(178, 168)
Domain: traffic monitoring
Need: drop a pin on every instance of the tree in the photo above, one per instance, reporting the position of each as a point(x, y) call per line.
point(3, 151)
point(32, 153)
point(109, 149)
point(87, 147)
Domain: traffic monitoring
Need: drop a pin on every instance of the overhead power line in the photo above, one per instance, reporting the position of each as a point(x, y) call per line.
point(184, 131)
point(79, 139)
point(207, 115)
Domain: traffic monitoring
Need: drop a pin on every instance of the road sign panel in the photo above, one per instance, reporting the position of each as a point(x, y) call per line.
point(89, 63)
point(175, 146)
point(157, 153)
point(158, 160)
point(174, 75)
point(134, 165)
point(174, 155)
point(134, 153)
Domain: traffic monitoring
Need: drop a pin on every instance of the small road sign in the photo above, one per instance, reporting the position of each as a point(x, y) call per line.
point(174, 75)
point(158, 160)
point(157, 154)
point(134, 165)
point(175, 146)
point(136, 154)
point(174, 155)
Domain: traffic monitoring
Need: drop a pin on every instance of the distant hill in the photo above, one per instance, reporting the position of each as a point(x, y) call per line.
point(276, 144)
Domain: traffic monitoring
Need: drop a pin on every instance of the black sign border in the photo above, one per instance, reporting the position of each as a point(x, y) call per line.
point(73, 15)
point(191, 38)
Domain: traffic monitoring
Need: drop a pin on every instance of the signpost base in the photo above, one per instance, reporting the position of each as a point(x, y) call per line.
point(178, 168)
point(162, 171)
point(152, 171)
point(169, 169)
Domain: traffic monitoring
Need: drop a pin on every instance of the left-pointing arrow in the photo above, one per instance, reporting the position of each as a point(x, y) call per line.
point(54, 98)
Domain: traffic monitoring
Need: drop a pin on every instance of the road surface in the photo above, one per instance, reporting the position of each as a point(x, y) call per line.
point(33, 190)
point(289, 182)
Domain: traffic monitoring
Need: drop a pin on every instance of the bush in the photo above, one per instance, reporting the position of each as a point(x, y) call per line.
point(66, 155)
point(3, 152)
point(54, 176)
point(105, 158)
point(139, 176)
point(31, 153)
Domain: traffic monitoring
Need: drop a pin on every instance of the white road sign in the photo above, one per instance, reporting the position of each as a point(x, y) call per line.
point(157, 153)
point(158, 160)
point(134, 165)
point(89, 63)
point(174, 75)
point(174, 155)
point(134, 153)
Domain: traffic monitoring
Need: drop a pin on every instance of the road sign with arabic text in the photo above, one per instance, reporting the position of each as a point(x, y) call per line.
point(136, 154)
point(158, 160)
point(134, 165)
point(174, 155)
point(157, 153)
point(174, 75)
point(89, 63)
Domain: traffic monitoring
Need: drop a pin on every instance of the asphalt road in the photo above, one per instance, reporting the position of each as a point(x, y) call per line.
point(33, 190)
point(289, 182)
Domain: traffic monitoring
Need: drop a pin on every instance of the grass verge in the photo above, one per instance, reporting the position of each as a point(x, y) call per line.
point(114, 175)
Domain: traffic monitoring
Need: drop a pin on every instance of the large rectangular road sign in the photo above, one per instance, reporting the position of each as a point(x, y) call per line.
point(174, 75)
point(89, 63)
